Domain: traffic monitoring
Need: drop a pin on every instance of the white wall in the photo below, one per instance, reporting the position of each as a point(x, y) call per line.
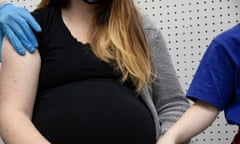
point(188, 27)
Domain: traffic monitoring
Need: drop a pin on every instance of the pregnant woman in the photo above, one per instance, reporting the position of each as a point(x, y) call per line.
point(101, 74)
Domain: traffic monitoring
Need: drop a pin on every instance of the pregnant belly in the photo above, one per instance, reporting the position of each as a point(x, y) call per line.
point(95, 111)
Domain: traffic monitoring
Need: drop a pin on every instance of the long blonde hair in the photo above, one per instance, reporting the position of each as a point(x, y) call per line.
point(119, 38)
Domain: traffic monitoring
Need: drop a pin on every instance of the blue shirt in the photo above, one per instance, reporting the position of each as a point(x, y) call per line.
point(217, 80)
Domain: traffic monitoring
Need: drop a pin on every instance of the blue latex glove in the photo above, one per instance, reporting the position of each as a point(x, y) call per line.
point(1, 37)
point(15, 23)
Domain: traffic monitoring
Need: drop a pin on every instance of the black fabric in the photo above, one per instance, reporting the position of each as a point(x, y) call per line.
point(80, 98)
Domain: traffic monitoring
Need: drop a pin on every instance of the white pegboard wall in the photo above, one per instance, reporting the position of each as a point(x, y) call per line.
point(188, 27)
point(29, 4)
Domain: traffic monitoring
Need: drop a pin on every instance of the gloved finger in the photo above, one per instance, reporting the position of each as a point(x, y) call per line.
point(31, 21)
point(15, 41)
point(1, 39)
point(31, 39)
point(22, 31)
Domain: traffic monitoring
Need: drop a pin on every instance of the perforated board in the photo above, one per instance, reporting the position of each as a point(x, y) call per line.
point(188, 27)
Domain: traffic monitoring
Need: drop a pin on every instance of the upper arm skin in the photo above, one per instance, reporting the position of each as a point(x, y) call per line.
point(18, 80)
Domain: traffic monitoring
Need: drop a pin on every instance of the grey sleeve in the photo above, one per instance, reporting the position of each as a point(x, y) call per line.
point(167, 94)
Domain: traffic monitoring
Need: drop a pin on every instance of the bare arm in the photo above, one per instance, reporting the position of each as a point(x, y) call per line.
point(197, 118)
point(18, 85)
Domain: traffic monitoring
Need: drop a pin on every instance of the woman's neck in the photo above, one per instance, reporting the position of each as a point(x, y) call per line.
point(78, 17)
point(79, 10)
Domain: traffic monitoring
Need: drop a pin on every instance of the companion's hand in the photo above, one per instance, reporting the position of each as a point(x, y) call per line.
point(16, 24)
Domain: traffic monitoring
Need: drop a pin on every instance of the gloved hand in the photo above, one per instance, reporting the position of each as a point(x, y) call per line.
point(1, 39)
point(15, 24)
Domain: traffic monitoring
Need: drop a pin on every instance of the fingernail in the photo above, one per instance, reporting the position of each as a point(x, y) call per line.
point(39, 29)
point(35, 45)
point(29, 47)
point(22, 53)
point(32, 50)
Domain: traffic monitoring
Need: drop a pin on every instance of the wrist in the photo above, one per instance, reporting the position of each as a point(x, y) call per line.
point(172, 135)
point(2, 2)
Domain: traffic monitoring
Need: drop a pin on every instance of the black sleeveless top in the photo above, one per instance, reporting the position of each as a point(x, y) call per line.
point(80, 98)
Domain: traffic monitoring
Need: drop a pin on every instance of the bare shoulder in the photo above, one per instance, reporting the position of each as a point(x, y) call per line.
point(11, 57)
point(18, 79)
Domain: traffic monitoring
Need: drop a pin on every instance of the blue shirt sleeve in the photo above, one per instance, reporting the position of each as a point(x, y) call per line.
point(214, 80)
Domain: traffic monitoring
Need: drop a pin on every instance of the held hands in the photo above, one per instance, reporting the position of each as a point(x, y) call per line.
point(15, 24)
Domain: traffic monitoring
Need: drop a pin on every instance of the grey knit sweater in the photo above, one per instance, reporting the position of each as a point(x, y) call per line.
point(164, 97)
